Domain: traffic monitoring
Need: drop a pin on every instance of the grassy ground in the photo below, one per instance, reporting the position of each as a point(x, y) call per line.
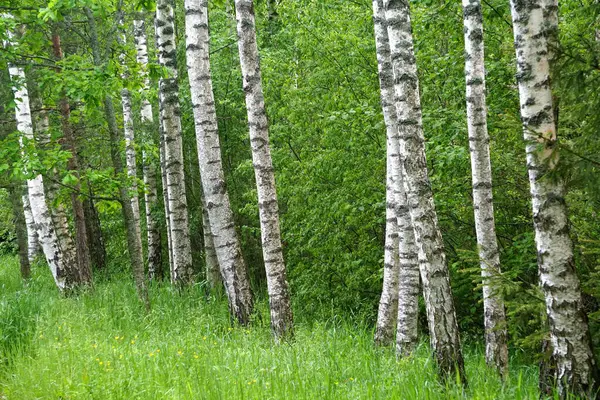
point(101, 345)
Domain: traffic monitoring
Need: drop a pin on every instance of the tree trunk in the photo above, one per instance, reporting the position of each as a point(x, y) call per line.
point(169, 118)
point(569, 333)
point(60, 254)
point(403, 282)
point(213, 274)
point(277, 284)
point(134, 244)
point(227, 246)
point(165, 193)
point(94, 231)
point(33, 244)
point(149, 170)
point(73, 165)
point(441, 315)
point(496, 351)
point(19, 218)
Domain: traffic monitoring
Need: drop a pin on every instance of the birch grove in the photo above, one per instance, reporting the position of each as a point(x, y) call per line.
point(496, 350)
point(220, 216)
point(268, 209)
point(576, 369)
point(181, 269)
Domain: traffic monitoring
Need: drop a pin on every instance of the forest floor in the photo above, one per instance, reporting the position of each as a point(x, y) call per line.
point(102, 345)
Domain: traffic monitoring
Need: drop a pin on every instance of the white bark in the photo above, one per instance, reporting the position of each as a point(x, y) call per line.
point(149, 171)
point(213, 273)
point(441, 315)
point(400, 283)
point(569, 333)
point(33, 244)
point(171, 124)
point(277, 284)
point(227, 246)
point(61, 256)
point(496, 351)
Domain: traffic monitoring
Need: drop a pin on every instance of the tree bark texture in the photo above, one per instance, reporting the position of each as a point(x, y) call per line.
point(225, 238)
point(406, 273)
point(94, 231)
point(268, 209)
point(441, 315)
point(569, 333)
point(496, 350)
point(149, 169)
point(170, 120)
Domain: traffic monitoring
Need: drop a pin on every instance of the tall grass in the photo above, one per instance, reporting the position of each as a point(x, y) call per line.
point(101, 345)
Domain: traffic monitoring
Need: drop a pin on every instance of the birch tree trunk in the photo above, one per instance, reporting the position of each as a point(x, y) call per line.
point(134, 243)
point(213, 274)
point(149, 171)
point(165, 194)
point(73, 166)
point(169, 118)
point(33, 244)
point(388, 304)
point(401, 282)
point(496, 351)
point(227, 246)
point(277, 284)
point(569, 333)
point(441, 315)
point(61, 256)
point(19, 218)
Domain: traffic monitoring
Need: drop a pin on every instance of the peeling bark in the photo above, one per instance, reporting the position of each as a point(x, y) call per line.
point(576, 369)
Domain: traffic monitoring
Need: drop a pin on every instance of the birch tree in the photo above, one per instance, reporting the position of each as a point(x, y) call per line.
point(149, 171)
point(496, 351)
point(441, 315)
point(129, 133)
point(61, 257)
point(268, 209)
point(181, 270)
point(227, 246)
point(33, 244)
point(402, 281)
point(576, 369)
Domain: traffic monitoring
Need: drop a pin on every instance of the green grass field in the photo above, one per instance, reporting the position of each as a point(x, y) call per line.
point(101, 345)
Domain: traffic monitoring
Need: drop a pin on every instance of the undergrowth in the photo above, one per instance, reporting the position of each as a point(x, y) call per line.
point(102, 345)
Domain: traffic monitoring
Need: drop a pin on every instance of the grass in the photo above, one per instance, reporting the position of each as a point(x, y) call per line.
point(101, 345)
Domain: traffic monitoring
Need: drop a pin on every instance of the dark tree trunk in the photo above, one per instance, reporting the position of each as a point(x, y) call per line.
point(16, 201)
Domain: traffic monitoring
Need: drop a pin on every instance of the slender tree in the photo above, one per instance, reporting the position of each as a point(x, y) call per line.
point(496, 350)
point(181, 270)
point(149, 170)
point(60, 254)
point(134, 244)
point(406, 273)
point(73, 166)
point(569, 333)
point(227, 246)
point(213, 274)
point(268, 209)
point(441, 315)
point(129, 132)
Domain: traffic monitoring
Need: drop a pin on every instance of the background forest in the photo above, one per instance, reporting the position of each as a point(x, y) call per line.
point(328, 145)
